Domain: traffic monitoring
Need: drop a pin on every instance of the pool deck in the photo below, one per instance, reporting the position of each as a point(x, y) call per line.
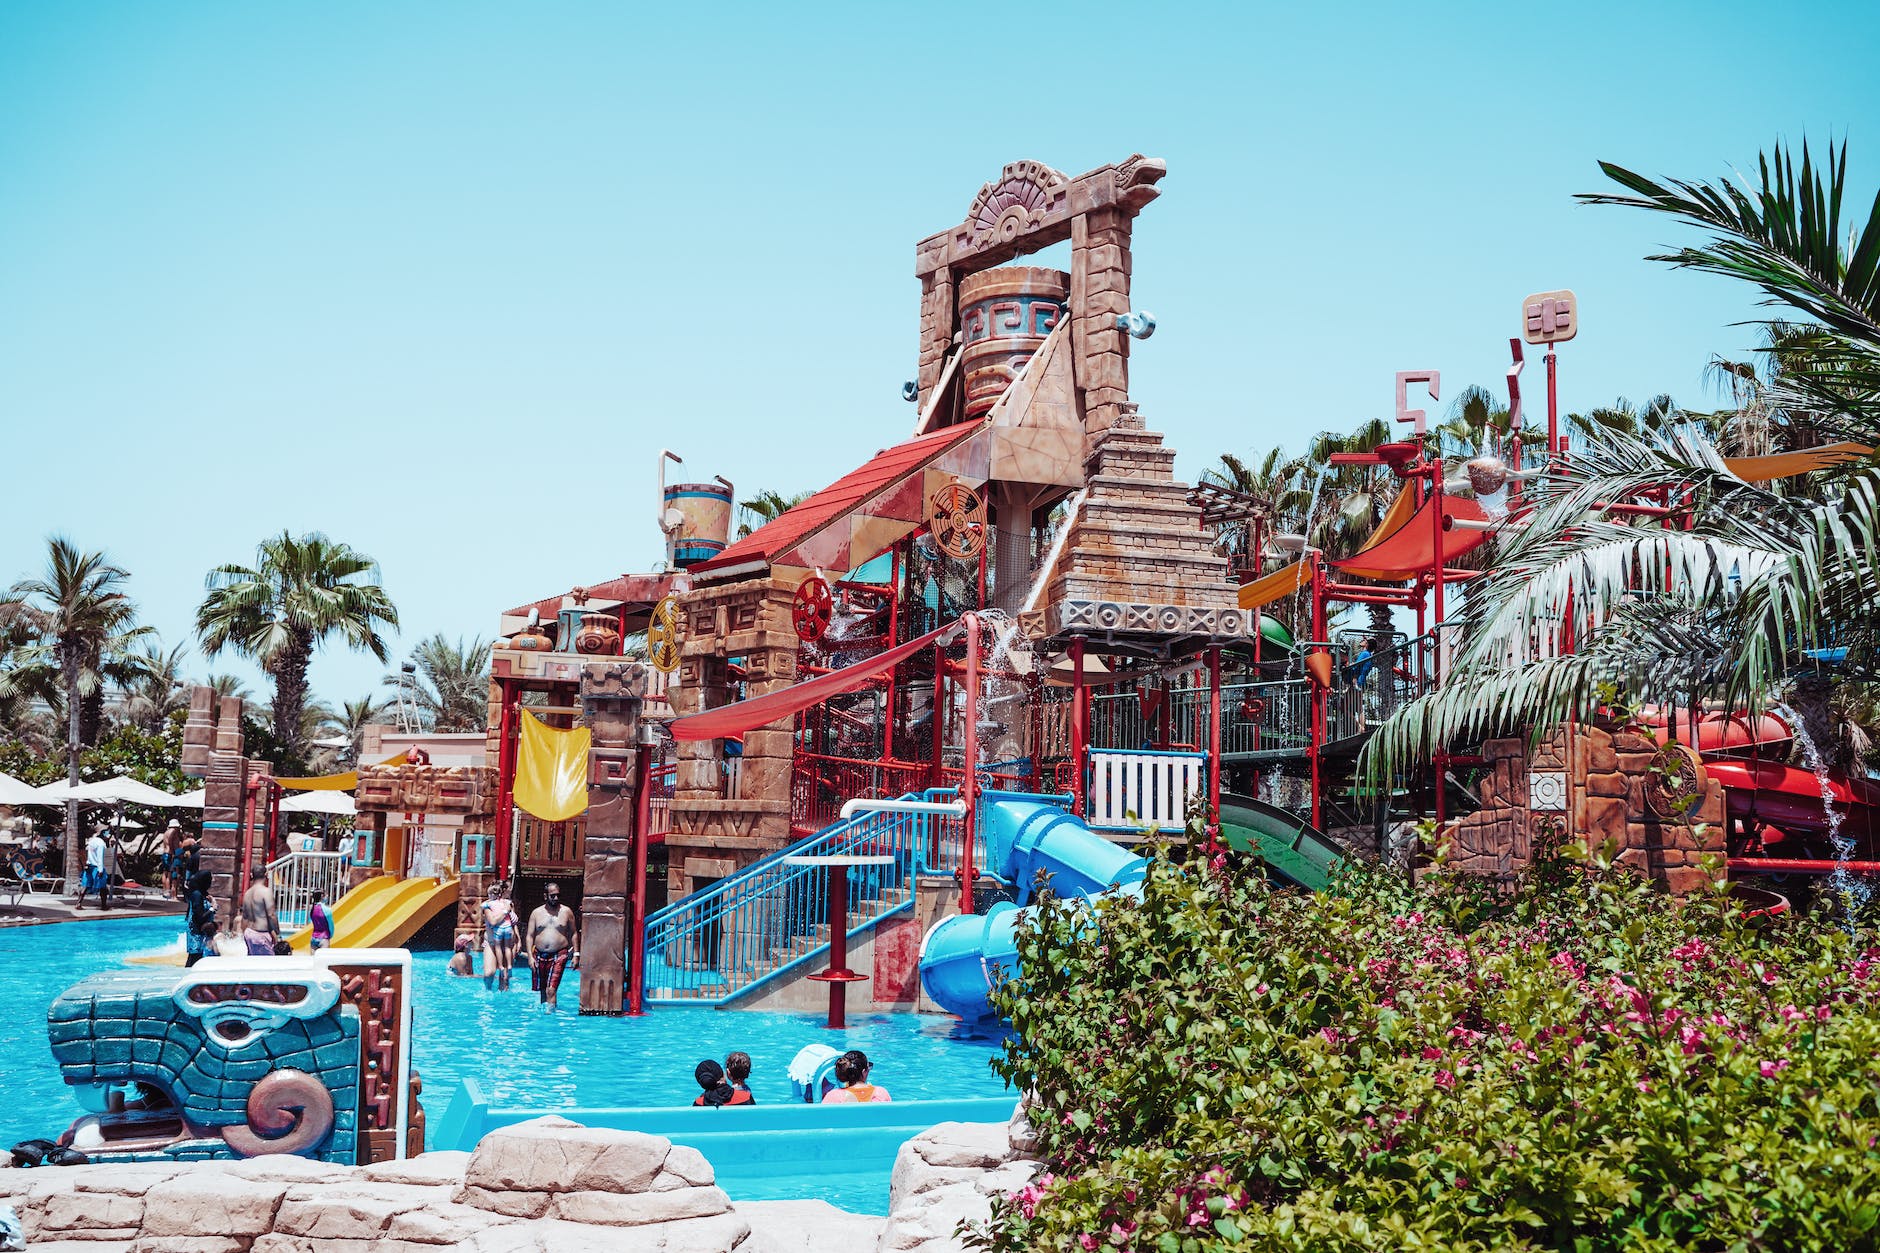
point(37, 908)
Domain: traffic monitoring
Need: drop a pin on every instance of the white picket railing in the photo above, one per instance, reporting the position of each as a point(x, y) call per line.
point(297, 876)
point(1133, 790)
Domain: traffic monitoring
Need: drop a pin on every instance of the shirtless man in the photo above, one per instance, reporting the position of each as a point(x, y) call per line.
point(552, 930)
point(260, 927)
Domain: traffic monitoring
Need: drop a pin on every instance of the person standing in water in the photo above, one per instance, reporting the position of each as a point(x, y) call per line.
point(260, 928)
point(852, 1073)
point(552, 933)
point(199, 921)
point(501, 936)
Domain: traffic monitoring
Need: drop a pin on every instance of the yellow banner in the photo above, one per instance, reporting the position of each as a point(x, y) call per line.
point(552, 769)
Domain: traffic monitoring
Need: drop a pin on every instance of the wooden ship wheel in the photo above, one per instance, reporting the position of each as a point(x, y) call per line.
point(956, 518)
point(662, 636)
point(813, 609)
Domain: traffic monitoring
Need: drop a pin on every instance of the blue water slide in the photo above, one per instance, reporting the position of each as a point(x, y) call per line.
point(963, 958)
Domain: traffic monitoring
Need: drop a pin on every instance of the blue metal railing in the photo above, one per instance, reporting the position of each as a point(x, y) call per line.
point(772, 916)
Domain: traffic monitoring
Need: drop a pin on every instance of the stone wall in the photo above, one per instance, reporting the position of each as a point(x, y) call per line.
point(714, 833)
point(611, 697)
point(1598, 784)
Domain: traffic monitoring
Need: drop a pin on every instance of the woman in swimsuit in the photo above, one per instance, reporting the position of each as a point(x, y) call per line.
point(501, 936)
point(852, 1073)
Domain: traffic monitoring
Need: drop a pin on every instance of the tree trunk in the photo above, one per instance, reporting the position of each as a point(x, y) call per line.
point(290, 689)
point(74, 838)
point(91, 717)
point(1811, 696)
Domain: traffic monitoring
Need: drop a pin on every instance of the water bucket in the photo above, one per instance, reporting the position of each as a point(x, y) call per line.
point(1005, 315)
point(705, 521)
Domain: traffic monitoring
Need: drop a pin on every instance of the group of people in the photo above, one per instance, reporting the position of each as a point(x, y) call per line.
point(729, 1084)
point(551, 934)
point(260, 931)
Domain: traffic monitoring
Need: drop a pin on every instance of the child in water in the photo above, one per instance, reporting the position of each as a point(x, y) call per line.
point(852, 1073)
point(717, 1093)
point(738, 1074)
point(460, 959)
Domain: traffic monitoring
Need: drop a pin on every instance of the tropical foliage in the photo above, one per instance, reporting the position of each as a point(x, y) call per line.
point(451, 683)
point(1579, 1064)
point(79, 621)
point(1744, 584)
point(299, 592)
point(766, 506)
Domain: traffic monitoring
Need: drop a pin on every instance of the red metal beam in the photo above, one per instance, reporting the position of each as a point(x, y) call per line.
point(1801, 865)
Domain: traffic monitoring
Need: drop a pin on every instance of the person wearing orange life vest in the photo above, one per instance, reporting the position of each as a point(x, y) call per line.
point(852, 1073)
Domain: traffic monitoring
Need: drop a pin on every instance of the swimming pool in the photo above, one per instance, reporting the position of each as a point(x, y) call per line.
point(519, 1055)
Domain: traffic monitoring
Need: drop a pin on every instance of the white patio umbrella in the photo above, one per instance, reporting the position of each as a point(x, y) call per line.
point(319, 803)
point(14, 792)
point(122, 790)
point(189, 800)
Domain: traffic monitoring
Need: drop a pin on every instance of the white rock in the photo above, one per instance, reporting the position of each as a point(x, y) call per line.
point(614, 1209)
point(555, 1155)
point(913, 1175)
point(978, 1144)
point(720, 1233)
point(439, 1166)
point(690, 1165)
point(806, 1227)
point(445, 1223)
point(279, 1168)
point(1008, 1178)
point(928, 1224)
point(80, 1211)
point(187, 1244)
point(1021, 1136)
point(211, 1203)
point(511, 1204)
point(355, 1211)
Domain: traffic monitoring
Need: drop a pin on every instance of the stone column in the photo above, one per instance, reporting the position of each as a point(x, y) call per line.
point(1100, 271)
point(611, 696)
point(224, 790)
point(936, 328)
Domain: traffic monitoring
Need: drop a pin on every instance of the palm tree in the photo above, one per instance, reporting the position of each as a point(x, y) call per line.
point(1273, 485)
point(766, 506)
point(75, 612)
point(224, 685)
point(351, 721)
point(452, 683)
point(280, 610)
point(1727, 606)
point(155, 690)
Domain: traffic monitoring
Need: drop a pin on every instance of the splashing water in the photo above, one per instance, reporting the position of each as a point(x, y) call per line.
point(1853, 890)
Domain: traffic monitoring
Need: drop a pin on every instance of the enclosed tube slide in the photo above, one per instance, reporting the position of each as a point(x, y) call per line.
point(961, 958)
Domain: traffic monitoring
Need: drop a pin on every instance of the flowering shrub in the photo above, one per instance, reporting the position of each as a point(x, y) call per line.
point(1581, 1063)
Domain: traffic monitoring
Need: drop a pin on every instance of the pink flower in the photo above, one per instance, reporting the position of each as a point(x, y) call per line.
point(1771, 1069)
point(1644, 1086)
point(1790, 1013)
point(1445, 1080)
point(1087, 1240)
point(1432, 1053)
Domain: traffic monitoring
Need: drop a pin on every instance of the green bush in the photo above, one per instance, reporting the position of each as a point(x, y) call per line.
point(1579, 1063)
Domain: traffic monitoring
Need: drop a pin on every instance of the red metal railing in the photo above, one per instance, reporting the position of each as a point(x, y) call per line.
point(820, 783)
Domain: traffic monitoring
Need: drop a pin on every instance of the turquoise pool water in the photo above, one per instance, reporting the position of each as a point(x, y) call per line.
point(521, 1056)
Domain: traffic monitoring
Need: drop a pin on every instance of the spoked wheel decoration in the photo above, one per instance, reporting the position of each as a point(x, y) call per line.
point(815, 606)
point(956, 518)
point(662, 637)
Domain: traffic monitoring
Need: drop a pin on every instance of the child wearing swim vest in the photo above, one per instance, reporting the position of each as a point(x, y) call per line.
point(852, 1073)
point(717, 1093)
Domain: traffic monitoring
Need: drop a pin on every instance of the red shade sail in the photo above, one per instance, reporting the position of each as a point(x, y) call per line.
point(1411, 548)
point(748, 715)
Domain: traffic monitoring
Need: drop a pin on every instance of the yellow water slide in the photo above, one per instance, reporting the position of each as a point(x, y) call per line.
point(383, 912)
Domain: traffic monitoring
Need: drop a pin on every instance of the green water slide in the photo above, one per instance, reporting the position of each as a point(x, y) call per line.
point(1288, 844)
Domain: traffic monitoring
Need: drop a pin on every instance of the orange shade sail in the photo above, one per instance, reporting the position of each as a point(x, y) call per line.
point(1411, 549)
point(1268, 588)
point(1786, 465)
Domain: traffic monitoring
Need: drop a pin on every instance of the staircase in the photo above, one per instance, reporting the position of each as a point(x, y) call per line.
point(744, 931)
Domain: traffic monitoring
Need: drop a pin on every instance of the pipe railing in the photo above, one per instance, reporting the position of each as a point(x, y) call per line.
point(297, 876)
point(772, 915)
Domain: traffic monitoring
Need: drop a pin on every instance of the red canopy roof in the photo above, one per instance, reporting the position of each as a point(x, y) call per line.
point(748, 715)
point(631, 589)
point(793, 526)
point(1411, 548)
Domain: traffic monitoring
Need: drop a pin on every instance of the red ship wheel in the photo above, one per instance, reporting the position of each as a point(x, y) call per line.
point(815, 606)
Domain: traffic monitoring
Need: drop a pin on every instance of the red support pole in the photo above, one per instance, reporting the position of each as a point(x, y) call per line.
point(1214, 732)
point(838, 945)
point(636, 934)
point(1555, 441)
point(969, 782)
point(1317, 742)
point(1080, 723)
point(505, 775)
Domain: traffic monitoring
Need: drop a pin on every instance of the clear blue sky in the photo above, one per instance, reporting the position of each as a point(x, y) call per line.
point(440, 280)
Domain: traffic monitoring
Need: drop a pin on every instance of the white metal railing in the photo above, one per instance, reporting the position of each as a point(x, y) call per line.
point(297, 876)
point(1132, 790)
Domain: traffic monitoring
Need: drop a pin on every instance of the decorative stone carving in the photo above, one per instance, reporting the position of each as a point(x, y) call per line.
point(1018, 201)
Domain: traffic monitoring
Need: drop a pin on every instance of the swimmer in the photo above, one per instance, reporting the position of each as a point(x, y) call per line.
point(552, 934)
point(738, 1074)
point(460, 960)
point(500, 938)
point(717, 1093)
point(852, 1073)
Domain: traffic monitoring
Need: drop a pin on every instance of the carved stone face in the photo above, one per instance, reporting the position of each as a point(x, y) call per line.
point(210, 1062)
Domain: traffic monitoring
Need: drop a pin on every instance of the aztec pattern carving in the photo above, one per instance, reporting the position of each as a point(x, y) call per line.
point(1024, 195)
point(233, 1059)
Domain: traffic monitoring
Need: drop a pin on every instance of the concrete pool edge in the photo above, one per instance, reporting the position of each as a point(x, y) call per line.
point(767, 1144)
